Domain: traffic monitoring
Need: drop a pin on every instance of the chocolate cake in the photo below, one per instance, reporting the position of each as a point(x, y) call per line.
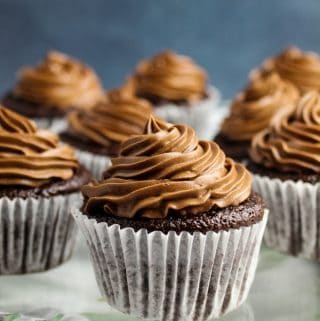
point(216, 219)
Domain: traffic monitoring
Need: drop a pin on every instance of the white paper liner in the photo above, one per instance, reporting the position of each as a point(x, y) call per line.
point(294, 220)
point(170, 277)
point(97, 164)
point(36, 234)
point(199, 115)
point(57, 125)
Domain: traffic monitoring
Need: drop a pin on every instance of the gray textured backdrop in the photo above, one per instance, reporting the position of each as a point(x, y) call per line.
point(227, 37)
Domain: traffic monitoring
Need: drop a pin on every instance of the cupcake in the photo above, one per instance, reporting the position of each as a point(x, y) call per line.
point(178, 89)
point(285, 159)
point(251, 112)
point(48, 91)
point(39, 180)
point(174, 229)
point(98, 133)
point(300, 68)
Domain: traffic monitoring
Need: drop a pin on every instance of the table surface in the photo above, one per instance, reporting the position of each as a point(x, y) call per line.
point(285, 288)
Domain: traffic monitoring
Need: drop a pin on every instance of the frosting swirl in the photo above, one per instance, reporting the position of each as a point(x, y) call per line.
point(125, 91)
point(171, 77)
point(113, 121)
point(168, 169)
point(292, 143)
point(300, 68)
point(60, 81)
point(31, 157)
point(252, 109)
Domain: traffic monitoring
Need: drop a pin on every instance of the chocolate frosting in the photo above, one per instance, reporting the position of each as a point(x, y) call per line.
point(60, 81)
point(124, 91)
point(292, 143)
point(113, 121)
point(168, 169)
point(252, 109)
point(301, 68)
point(171, 77)
point(29, 156)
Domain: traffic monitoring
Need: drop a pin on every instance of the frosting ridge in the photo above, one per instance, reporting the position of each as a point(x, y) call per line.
point(60, 81)
point(292, 143)
point(111, 122)
point(171, 77)
point(31, 157)
point(167, 169)
point(252, 109)
point(300, 68)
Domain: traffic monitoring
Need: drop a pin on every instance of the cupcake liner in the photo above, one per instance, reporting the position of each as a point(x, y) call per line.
point(57, 125)
point(36, 234)
point(294, 220)
point(171, 277)
point(97, 164)
point(200, 115)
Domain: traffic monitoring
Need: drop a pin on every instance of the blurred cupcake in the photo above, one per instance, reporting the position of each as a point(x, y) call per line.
point(174, 229)
point(48, 91)
point(178, 89)
point(98, 133)
point(251, 112)
point(124, 91)
point(300, 68)
point(39, 180)
point(286, 164)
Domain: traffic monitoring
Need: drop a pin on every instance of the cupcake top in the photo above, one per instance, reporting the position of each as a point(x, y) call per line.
point(108, 124)
point(124, 91)
point(292, 143)
point(31, 157)
point(168, 77)
point(252, 109)
point(168, 170)
point(301, 68)
point(59, 81)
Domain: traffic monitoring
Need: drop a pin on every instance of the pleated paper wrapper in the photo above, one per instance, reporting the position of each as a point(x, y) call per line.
point(97, 164)
point(201, 115)
point(56, 124)
point(294, 223)
point(294, 220)
point(171, 277)
point(36, 234)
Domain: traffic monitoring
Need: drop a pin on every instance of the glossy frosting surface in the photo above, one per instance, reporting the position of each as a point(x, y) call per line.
point(292, 143)
point(30, 156)
point(168, 169)
point(171, 77)
point(60, 81)
point(111, 122)
point(299, 67)
point(252, 110)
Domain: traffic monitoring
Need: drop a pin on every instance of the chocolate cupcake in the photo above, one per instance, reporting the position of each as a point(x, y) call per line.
point(174, 229)
point(178, 89)
point(39, 180)
point(48, 91)
point(286, 163)
point(251, 112)
point(98, 133)
point(300, 68)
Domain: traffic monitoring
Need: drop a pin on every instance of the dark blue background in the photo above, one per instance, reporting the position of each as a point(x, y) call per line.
point(227, 37)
